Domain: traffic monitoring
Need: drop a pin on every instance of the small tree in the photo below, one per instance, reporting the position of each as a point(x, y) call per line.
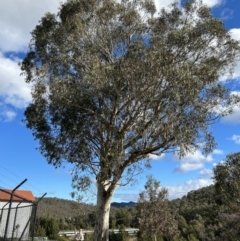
point(113, 82)
point(154, 215)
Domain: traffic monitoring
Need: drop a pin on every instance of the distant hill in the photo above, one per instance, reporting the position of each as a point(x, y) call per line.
point(200, 201)
point(62, 208)
point(122, 204)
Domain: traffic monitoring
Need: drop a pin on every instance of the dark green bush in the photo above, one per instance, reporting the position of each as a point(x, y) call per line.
point(121, 236)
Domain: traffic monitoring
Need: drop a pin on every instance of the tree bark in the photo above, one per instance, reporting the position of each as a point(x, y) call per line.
point(101, 229)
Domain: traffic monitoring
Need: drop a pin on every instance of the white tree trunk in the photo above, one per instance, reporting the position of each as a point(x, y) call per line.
point(101, 229)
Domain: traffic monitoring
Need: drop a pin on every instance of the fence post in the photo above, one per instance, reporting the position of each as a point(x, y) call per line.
point(35, 213)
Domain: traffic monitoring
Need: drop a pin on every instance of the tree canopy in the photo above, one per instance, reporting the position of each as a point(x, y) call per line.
point(227, 195)
point(113, 82)
point(227, 181)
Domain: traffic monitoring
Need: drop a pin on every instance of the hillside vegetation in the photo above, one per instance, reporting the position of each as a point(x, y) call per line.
point(62, 208)
point(197, 214)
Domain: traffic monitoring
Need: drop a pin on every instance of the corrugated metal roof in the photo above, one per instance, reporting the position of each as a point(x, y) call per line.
point(19, 195)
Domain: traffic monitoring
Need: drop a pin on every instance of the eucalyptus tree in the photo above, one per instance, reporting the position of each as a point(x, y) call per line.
point(114, 82)
point(154, 214)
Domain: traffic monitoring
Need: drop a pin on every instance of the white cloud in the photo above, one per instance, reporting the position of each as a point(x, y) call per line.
point(177, 191)
point(236, 139)
point(10, 115)
point(189, 166)
point(233, 118)
point(13, 89)
point(212, 3)
point(218, 152)
point(18, 19)
point(164, 4)
point(6, 115)
point(206, 173)
point(192, 161)
point(235, 34)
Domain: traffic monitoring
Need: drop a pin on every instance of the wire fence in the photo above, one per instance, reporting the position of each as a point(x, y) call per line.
point(17, 215)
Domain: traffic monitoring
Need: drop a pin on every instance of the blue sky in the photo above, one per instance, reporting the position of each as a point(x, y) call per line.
point(19, 158)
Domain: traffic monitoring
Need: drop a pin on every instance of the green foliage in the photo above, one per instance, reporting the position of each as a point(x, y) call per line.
point(227, 180)
point(47, 227)
point(154, 215)
point(60, 238)
point(142, 236)
point(199, 217)
point(227, 185)
point(123, 217)
point(121, 236)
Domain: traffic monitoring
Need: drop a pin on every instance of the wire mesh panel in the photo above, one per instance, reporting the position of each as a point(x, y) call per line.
point(19, 218)
point(17, 214)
